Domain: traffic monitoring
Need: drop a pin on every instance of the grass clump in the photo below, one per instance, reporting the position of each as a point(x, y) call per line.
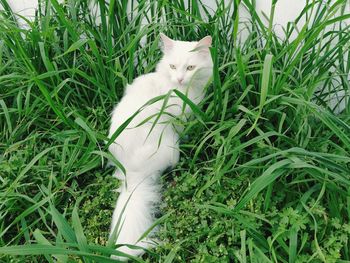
point(265, 169)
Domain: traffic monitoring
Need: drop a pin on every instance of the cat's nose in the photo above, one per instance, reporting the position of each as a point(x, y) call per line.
point(180, 80)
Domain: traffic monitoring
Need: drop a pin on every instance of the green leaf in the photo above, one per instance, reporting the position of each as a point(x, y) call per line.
point(269, 176)
point(62, 225)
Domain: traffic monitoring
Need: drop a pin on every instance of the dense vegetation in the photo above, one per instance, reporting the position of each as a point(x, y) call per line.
point(265, 169)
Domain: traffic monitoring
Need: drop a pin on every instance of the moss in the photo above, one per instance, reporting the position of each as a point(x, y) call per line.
point(97, 208)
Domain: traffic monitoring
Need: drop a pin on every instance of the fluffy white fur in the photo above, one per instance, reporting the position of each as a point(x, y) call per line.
point(145, 154)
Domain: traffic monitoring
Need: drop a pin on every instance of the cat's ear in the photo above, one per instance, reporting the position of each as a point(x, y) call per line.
point(168, 43)
point(204, 44)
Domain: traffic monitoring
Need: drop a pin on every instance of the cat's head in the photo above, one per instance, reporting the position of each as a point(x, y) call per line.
point(186, 63)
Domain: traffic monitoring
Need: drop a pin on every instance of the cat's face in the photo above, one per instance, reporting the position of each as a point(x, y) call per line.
point(186, 63)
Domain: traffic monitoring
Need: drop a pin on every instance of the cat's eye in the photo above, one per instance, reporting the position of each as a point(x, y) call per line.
point(172, 66)
point(191, 67)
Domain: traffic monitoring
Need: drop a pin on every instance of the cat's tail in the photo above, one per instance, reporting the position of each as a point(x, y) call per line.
point(134, 214)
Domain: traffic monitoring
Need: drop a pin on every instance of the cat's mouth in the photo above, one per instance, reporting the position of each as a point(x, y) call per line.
point(176, 84)
point(182, 85)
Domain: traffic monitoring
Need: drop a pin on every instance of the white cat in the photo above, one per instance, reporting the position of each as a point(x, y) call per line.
point(145, 152)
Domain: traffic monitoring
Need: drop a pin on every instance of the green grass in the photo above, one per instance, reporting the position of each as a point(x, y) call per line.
point(264, 174)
